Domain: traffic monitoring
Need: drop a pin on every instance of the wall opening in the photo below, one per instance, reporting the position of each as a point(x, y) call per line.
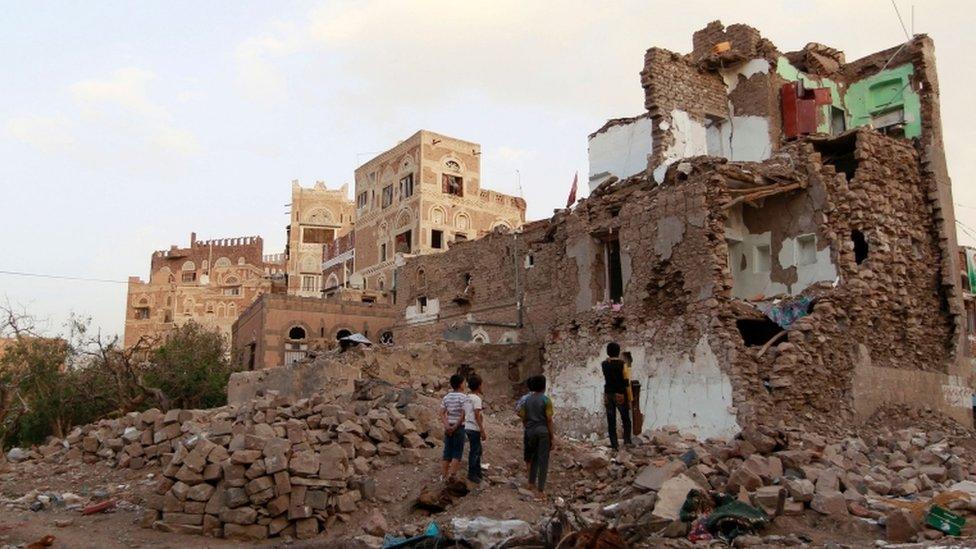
point(839, 153)
point(342, 333)
point(756, 332)
point(860, 246)
point(614, 275)
point(296, 333)
point(436, 239)
point(403, 242)
point(806, 249)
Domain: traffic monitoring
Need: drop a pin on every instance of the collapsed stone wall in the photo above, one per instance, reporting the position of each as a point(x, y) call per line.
point(887, 311)
point(430, 364)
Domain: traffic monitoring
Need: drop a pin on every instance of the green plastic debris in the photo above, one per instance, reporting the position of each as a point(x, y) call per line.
point(944, 520)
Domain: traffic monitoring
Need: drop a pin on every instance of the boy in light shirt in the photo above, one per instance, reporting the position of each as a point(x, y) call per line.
point(452, 417)
point(474, 427)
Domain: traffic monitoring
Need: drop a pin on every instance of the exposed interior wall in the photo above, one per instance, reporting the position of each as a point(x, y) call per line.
point(764, 265)
point(684, 389)
point(874, 100)
point(687, 138)
point(619, 150)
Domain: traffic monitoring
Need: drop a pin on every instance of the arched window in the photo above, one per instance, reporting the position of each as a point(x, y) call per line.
point(241, 261)
point(205, 264)
point(437, 216)
point(332, 281)
point(453, 165)
point(222, 263)
point(462, 221)
point(380, 283)
point(296, 333)
point(421, 278)
point(189, 266)
point(342, 333)
point(386, 338)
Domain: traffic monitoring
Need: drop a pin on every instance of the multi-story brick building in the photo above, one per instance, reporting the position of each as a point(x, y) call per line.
point(420, 196)
point(318, 216)
point(209, 282)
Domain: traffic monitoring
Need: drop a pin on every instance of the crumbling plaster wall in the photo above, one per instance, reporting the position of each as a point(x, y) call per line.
point(886, 312)
point(619, 149)
point(780, 230)
point(502, 367)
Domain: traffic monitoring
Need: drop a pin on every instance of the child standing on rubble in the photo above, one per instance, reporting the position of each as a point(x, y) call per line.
point(474, 427)
point(536, 412)
point(452, 416)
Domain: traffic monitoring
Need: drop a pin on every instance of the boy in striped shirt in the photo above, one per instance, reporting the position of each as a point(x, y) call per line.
point(452, 416)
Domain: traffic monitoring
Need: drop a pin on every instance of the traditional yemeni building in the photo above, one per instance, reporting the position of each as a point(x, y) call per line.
point(210, 282)
point(787, 250)
point(279, 330)
point(318, 216)
point(340, 262)
point(419, 197)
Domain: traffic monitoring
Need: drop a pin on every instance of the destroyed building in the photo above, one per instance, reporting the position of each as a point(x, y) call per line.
point(786, 251)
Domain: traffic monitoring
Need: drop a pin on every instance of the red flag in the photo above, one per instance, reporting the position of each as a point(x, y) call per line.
point(572, 192)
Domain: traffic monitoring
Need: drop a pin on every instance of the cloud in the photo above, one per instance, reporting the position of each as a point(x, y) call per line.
point(126, 89)
point(112, 116)
point(257, 58)
point(48, 133)
point(123, 103)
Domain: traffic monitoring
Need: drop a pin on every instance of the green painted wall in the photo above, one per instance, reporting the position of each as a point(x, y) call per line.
point(885, 91)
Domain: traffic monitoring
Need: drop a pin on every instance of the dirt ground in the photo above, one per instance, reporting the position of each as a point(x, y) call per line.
point(397, 487)
point(501, 496)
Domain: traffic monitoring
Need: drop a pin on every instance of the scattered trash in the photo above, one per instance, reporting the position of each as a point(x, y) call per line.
point(735, 518)
point(944, 520)
point(432, 537)
point(489, 532)
point(720, 516)
point(98, 507)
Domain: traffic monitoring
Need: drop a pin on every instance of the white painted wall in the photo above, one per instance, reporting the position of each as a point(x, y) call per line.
point(620, 151)
point(745, 70)
point(684, 389)
point(750, 282)
point(413, 315)
point(690, 139)
point(746, 139)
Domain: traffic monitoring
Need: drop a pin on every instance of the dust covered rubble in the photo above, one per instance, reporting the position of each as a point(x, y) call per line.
point(271, 467)
point(885, 479)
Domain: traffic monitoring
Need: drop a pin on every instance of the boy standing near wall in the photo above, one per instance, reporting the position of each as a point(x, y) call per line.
point(536, 413)
point(474, 427)
point(452, 416)
point(616, 391)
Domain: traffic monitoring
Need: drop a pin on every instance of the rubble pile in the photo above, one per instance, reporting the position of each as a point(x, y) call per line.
point(271, 467)
point(887, 478)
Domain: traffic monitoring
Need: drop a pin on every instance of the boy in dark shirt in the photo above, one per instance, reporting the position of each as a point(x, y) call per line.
point(616, 388)
point(536, 412)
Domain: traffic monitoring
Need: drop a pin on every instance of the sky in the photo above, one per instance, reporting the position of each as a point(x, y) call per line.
point(124, 126)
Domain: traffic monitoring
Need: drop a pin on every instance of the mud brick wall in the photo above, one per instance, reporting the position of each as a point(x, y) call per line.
point(745, 42)
point(888, 312)
point(672, 83)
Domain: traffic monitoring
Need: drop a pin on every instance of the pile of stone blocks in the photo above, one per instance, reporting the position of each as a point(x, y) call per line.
point(270, 467)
